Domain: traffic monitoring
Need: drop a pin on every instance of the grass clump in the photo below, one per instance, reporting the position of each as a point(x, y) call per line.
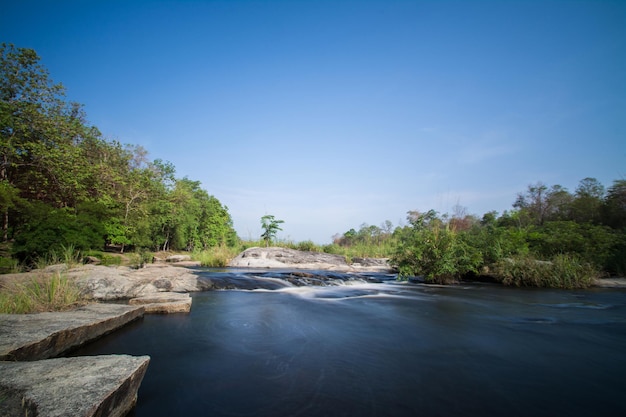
point(44, 293)
point(563, 271)
point(216, 257)
point(139, 259)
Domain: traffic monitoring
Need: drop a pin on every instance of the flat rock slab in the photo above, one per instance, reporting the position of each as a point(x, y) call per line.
point(275, 257)
point(30, 337)
point(164, 303)
point(117, 283)
point(610, 282)
point(82, 386)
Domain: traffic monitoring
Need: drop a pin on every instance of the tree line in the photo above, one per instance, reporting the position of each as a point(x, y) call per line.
point(550, 234)
point(63, 183)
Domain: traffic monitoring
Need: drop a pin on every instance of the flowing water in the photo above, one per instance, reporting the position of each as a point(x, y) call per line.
point(362, 348)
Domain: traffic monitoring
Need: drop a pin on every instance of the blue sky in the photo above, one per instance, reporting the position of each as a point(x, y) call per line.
point(331, 114)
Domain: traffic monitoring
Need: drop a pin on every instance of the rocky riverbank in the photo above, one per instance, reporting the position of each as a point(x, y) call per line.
point(31, 385)
point(36, 382)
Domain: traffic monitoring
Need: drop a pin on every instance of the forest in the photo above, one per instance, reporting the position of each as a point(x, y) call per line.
point(64, 187)
point(62, 184)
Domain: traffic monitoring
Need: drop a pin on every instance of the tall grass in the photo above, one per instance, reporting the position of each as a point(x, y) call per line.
point(217, 257)
point(68, 255)
point(563, 271)
point(52, 293)
point(9, 266)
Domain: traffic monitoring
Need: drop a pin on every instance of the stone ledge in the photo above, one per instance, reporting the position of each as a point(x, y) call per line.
point(81, 386)
point(30, 337)
point(164, 303)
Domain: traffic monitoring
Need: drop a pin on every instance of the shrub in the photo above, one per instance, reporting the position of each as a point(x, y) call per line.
point(139, 259)
point(435, 252)
point(52, 231)
point(307, 246)
point(563, 271)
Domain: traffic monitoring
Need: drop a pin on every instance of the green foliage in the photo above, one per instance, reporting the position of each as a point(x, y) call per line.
point(270, 227)
point(614, 207)
point(429, 248)
point(61, 183)
point(139, 259)
point(215, 257)
point(563, 271)
point(49, 230)
point(55, 293)
point(592, 243)
point(616, 259)
point(307, 246)
point(9, 266)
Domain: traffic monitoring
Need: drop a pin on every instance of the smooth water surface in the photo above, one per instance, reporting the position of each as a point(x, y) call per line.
point(386, 349)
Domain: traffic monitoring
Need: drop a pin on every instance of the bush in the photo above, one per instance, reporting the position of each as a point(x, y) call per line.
point(139, 259)
point(54, 231)
point(434, 251)
point(307, 246)
point(588, 242)
point(563, 271)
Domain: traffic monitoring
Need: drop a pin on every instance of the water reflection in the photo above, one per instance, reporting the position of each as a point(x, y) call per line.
point(383, 349)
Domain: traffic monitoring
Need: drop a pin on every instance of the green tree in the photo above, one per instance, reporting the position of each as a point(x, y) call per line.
point(540, 204)
point(97, 191)
point(430, 248)
point(614, 207)
point(587, 203)
point(270, 226)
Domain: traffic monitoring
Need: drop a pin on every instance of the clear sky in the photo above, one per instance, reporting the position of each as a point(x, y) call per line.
point(331, 114)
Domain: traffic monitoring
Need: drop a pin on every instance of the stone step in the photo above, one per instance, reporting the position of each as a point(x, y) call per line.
point(82, 386)
point(30, 337)
point(164, 302)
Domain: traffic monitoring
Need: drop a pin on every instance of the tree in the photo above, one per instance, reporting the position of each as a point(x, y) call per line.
point(614, 208)
point(270, 226)
point(587, 203)
point(540, 203)
point(61, 183)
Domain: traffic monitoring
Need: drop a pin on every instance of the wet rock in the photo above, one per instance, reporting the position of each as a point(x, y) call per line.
point(82, 386)
point(31, 337)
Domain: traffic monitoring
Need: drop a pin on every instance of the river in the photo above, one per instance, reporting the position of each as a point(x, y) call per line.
point(383, 349)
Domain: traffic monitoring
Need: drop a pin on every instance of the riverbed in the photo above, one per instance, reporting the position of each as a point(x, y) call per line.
point(366, 348)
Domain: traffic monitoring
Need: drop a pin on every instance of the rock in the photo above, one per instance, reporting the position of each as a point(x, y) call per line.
point(55, 269)
point(165, 302)
point(117, 283)
point(82, 386)
point(30, 337)
point(178, 258)
point(274, 257)
point(614, 282)
point(91, 260)
point(374, 263)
